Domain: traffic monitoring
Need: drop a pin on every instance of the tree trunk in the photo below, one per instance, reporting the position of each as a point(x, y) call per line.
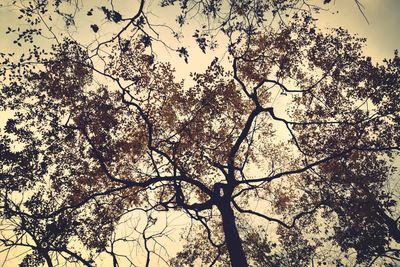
point(46, 256)
point(232, 238)
point(394, 231)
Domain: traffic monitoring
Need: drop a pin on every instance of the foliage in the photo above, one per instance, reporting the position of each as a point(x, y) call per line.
point(99, 133)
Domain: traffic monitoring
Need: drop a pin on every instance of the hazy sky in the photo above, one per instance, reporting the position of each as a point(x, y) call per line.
point(382, 32)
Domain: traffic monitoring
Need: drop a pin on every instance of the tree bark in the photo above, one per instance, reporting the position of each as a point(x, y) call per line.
point(46, 256)
point(232, 238)
point(391, 224)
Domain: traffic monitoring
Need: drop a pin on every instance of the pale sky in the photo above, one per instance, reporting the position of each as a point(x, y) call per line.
point(382, 32)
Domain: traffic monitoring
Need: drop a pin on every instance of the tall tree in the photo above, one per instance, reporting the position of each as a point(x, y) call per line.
point(103, 135)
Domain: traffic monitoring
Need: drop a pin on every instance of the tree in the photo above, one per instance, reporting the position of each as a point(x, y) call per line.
point(103, 132)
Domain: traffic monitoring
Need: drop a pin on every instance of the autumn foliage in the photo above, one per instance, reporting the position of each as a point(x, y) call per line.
point(261, 182)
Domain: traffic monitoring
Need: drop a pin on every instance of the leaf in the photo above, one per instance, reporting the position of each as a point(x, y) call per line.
point(94, 27)
point(146, 40)
point(183, 53)
point(201, 41)
point(117, 17)
point(111, 14)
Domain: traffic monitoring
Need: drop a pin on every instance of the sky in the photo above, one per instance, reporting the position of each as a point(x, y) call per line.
point(382, 31)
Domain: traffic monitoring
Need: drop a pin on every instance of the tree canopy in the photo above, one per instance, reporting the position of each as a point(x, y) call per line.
point(279, 154)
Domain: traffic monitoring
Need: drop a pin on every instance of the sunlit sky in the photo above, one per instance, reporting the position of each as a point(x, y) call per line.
point(382, 32)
